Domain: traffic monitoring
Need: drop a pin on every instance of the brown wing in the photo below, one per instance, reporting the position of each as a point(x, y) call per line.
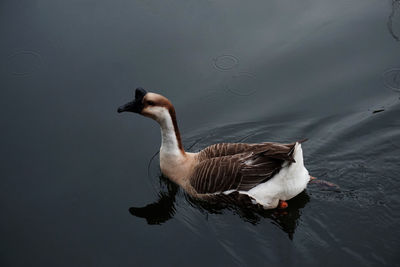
point(225, 167)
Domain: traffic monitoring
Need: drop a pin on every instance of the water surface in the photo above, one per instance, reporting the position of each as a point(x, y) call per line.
point(74, 171)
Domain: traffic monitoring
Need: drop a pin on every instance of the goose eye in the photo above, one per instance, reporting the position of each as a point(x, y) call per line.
point(150, 103)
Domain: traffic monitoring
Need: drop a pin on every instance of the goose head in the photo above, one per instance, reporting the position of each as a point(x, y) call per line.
point(152, 105)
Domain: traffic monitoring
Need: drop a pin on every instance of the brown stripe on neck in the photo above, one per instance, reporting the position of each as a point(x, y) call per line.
point(172, 113)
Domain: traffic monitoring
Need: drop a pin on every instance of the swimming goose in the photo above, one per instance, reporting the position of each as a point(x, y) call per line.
point(269, 173)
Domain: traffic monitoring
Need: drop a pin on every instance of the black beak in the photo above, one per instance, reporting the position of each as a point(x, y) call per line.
point(136, 105)
point(131, 107)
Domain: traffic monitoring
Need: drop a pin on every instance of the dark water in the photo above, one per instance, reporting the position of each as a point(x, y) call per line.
point(73, 170)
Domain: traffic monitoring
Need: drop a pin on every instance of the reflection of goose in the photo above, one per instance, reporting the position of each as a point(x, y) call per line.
point(164, 209)
point(160, 211)
point(265, 174)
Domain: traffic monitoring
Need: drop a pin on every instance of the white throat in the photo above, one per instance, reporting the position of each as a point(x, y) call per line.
point(169, 142)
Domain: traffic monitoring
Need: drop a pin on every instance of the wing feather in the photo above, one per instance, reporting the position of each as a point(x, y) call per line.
point(238, 166)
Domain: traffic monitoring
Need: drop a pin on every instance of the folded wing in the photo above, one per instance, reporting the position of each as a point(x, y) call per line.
point(239, 166)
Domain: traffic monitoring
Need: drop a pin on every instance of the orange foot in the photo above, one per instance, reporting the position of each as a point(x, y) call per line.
point(312, 178)
point(282, 204)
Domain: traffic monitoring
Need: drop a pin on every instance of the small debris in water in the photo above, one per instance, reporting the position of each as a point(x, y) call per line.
point(377, 111)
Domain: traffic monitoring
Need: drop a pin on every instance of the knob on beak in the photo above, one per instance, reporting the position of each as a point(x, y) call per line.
point(135, 105)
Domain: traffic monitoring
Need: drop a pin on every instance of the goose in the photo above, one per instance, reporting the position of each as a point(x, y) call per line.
point(268, 173)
